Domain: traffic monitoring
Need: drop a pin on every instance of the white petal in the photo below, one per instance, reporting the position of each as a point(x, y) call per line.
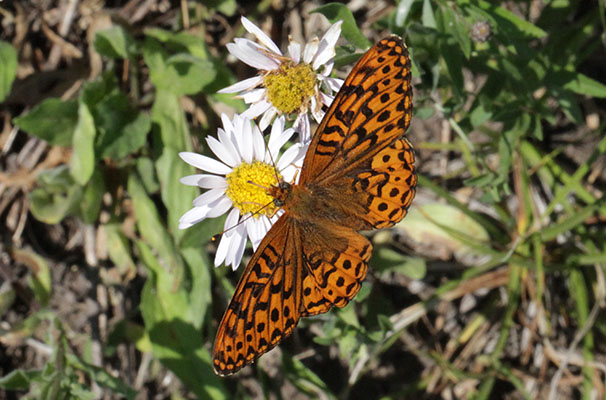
point(316, 110)
point(233, 231)
point(326, 48)
point(239, 243)
point(332, 34)
point(231, 221)
point(267, 118)
point(208, 197)
point(192, 217)
point(223, 249)
point(205, 163)
point(185, 225)
point(221, 151)
point(327, 69)
point(248, 53)
point(254, 95)
point(227, 123)
point(227, 140)
point(302, 126)
point(258, 144)
point(191, 180)
point(246, 84)
point(219, 207)
point(323, 56)
point(294, 50)
point(256, 109)
point(212, 182)
point(278, 137)
point(289, 172)
point(246, 142)
point(288, 157)
point(326, 98)
point(310, 50)
point(260, 35)
point(253, 231)
point(333, 83)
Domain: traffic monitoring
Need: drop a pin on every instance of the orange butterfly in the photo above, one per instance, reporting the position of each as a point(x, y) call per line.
point(358, 174)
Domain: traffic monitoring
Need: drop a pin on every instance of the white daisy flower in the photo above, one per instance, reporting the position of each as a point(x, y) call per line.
point(237, 182)
point(295, 84)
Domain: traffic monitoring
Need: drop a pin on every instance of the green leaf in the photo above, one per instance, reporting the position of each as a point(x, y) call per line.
point(402, 12)
point(510, 22)
point(428, 18)
point(479, 116)
point(175, 341)
point(569, 104)
point(92, 197)
point(114, 42)
point(83, 156)
point(420, 225)
point(200, 293)
point(8, 68)
point(17, 380)
point(147, 172)
point(121, 129)
point(180, 42)
point(454, 65)
point(585, 86)
point(40, 279)
point(339, 12)
point(349, 316)
point(119, 250)
point(7, 298)
point(227, 7)
point(53, 121)
point(180, 74)
point(173, 137)
point(386, 259)
point(97, 375)
point(151, 227)
point(56, 197)
point(97, 90)
point(304, 378)
point(456, 27)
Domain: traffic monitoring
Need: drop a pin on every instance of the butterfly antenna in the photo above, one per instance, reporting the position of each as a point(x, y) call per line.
point(273, 163)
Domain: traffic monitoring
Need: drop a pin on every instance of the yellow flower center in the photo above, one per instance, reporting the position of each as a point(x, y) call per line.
point(290, 87)
point(246, 187)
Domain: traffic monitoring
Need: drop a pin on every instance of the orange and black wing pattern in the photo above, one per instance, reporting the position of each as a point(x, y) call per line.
point(372, 110)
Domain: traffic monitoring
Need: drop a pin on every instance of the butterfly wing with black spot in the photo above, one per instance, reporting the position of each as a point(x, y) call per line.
point(372, 110)
point(265, 306)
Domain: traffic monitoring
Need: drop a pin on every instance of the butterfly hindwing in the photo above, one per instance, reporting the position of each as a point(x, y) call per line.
point(333, 275)
point(372, 109)
point(386, 185)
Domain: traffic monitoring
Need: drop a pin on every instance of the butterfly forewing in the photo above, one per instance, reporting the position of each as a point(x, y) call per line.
point(266, 303)
point(372, 109)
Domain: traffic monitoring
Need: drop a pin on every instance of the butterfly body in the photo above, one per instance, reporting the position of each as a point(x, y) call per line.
point(358, 174)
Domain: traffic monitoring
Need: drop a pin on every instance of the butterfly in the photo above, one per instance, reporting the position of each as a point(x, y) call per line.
point(358, 174)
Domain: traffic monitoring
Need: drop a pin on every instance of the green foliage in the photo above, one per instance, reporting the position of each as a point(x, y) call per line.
point(61, 377)
point(114, 42)
point(52, 120)
point(8, 68)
